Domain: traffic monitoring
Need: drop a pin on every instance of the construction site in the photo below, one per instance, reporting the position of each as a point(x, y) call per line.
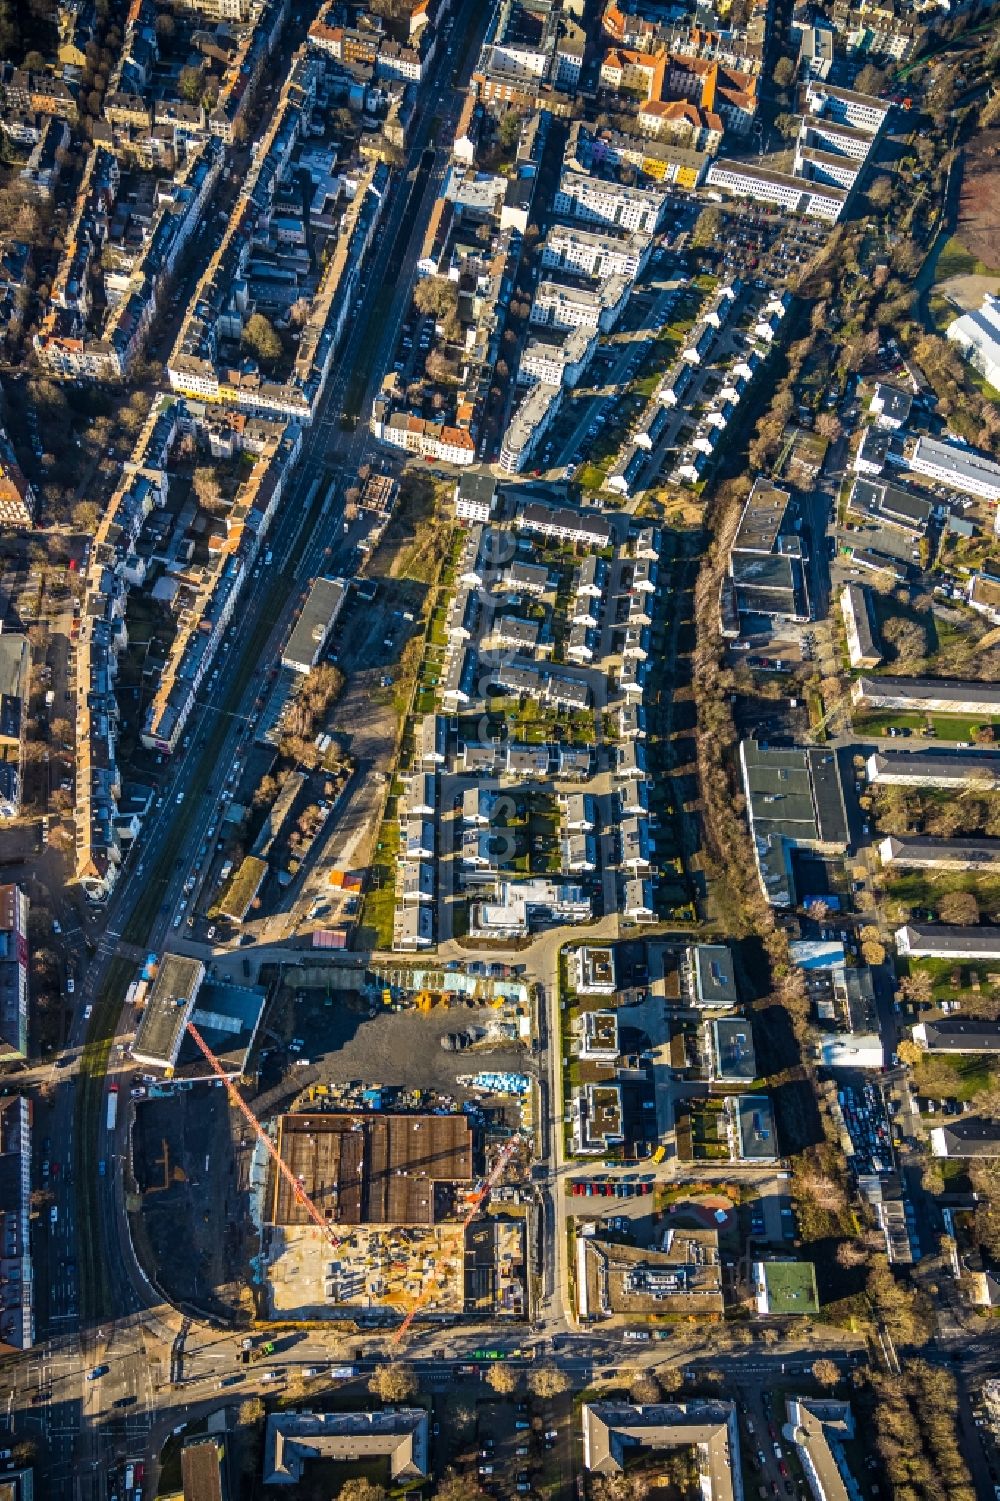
point(368, 1201)
point(377, 1217)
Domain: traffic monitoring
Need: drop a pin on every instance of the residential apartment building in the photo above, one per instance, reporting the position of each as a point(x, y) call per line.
point(17, 1293)
point(65, 343)
point(475, 497)
point(568, 305)
point(220, 302)
point(557, 364)
point(15, 682)
point(561, 523)
point(598, 255)
point(599, 201)
point(939, 854)
point(958, 772)
point(530, 421)
point(926, 695)
point(963, 468)
point(859, 623)
point(13, 972)
point(945, 941)
point(205, 609)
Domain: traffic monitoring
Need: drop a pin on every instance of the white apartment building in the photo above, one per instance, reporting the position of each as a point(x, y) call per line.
point(744, 180)
point(557, 364)
point(609, 203)
point(863, 111)
point(520, 58)
point(963, 468)
point(825, 166)
point(559, 305)
point(529, 422)
point(591, 254)
point(475, 497)
point(828, 135)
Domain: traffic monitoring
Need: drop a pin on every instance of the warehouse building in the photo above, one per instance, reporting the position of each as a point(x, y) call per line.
point(766, 563)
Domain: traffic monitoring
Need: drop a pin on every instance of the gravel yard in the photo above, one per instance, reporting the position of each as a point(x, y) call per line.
point(392, 1048)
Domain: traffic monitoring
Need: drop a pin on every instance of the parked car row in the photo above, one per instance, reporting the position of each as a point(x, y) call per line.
point(610, 1188)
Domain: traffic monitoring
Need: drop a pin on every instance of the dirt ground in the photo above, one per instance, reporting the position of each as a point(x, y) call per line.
point(979, 203)
point(967, 292)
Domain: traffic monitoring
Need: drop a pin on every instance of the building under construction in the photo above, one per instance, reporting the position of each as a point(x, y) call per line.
point(372, 1169)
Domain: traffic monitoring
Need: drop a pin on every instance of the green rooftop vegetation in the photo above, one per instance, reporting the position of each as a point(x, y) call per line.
point(242, 889)
point(791, 1287)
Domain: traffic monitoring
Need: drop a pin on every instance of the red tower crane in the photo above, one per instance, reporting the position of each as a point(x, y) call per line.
point(235, 1098)
point(476, 1200)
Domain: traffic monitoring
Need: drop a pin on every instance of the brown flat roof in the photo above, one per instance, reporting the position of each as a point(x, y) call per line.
point(370, 1169)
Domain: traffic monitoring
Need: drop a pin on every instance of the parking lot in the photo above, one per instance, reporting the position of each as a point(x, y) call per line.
point(522, 1448)
point(868, 1126)
point(342, 1042)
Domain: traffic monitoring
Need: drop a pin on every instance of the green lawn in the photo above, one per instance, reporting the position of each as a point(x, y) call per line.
point(941, 971)
point(945, 726)
point(966, 1076)
point(591, 477)
point(955, 260)
point(380, 899)
point(921, 888)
